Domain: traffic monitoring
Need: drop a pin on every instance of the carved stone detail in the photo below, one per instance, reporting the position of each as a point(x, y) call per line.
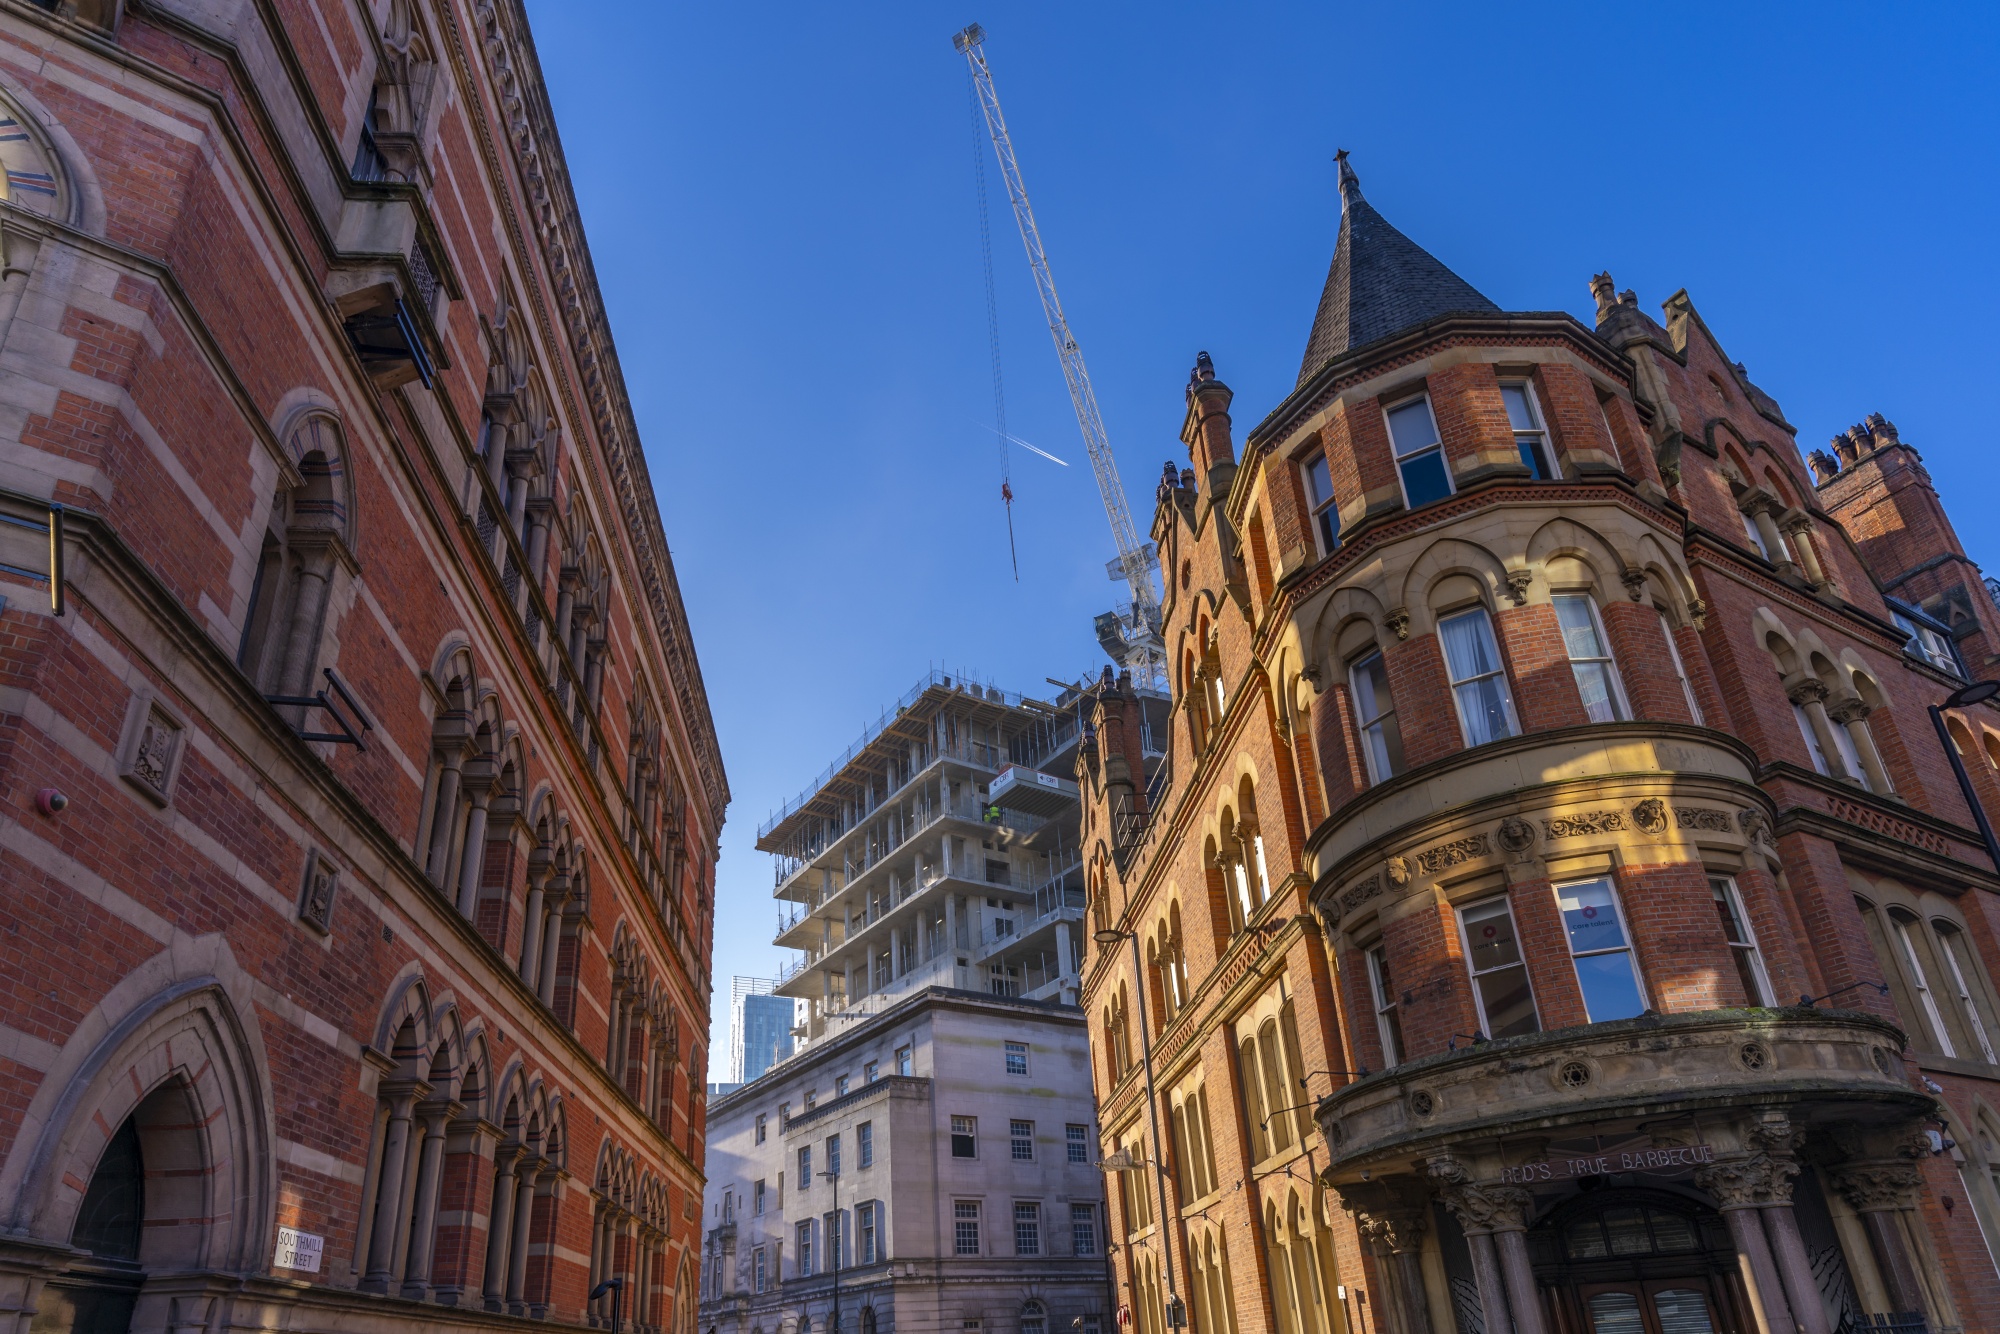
point(1810, 690)
point(1516, 835)
point(1851, 709)
point(316, 897)
point(155, 738)
point(1590, 822)
point(1756, 825)
point(1871, 1187)
point(1398, 622)
point(1635, 584)
point(1698, 614)
point(1752, 1180)
point(1518, 582)
point(1454, 853)
point(1399, 871)
point(1361, 893)
point(1651, 816)
point(1703, 817)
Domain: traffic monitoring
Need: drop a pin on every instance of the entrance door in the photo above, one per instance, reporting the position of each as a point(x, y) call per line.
point(1665, 1306)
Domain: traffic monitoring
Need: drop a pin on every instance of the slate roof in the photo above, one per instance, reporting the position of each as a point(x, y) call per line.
point(1380, 283)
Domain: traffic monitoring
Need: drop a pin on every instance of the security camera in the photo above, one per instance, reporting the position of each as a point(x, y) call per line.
point(50, 802)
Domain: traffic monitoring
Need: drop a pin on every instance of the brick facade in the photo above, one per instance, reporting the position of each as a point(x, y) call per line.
point(1766, 817)
point(361, 799)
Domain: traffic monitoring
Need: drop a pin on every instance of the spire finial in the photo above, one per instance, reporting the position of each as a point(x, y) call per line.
point(1350, 184)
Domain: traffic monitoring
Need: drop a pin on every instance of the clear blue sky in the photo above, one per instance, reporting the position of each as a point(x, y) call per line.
point(780, 205)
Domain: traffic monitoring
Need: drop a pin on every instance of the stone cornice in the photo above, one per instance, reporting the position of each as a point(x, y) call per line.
point(521, 96)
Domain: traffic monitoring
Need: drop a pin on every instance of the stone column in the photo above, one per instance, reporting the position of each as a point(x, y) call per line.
point(545, 974)
point(538, 539)
point(423, 1229)
point(500, 1226)
point(437, 863)
point(1778, 1138)
point(472, 860)
point(531, 925)
point(1767, 528)
point(1741, 1186)
point(1392, 1223)
point(1879, 1190)
point(1798, 526)
point(308, 607)
point(523, 1232)
point(391, 1204)
point(1809, 693)
point(1852, 712)
point(1481, 1210)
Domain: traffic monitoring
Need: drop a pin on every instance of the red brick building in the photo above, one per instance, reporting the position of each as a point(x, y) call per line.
point(359, 797)
point(1557, 910)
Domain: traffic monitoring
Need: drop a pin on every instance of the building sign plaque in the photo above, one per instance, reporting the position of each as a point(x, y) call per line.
point(298, 1250)
point(1650, 1159)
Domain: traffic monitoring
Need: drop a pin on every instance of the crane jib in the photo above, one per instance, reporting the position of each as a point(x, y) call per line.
point(1142, 634)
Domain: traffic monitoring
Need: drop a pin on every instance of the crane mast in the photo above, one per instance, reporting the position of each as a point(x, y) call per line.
point(1138, 635)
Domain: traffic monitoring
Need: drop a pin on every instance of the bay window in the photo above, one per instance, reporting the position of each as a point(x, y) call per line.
point(1375, 714)
point(1530, 437)
point(1742, 945)
point(1319, 499)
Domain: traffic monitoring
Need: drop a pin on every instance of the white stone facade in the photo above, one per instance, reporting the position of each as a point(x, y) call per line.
point(895, 1093)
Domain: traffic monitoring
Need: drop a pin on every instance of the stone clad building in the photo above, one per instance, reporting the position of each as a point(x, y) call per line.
point(361, 794)
point(1563, 914)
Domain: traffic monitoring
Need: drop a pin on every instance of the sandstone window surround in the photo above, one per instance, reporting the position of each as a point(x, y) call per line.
point(1301, 1267)
point(304, 548)
point(1272, 1068)
point(1208, 1253)
point(1194, 1151)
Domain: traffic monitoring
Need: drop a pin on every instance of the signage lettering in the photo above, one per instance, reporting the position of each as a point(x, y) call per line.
point(1601, 1164)
point(298, 1250)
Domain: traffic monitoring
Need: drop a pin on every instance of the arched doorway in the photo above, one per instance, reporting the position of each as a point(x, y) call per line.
point(1633, 1261)
point(133, 1216)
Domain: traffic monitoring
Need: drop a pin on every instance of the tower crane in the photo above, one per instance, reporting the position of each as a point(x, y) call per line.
point(1132, 636)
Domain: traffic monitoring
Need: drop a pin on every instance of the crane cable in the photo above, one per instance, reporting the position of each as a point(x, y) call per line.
point(992, 318)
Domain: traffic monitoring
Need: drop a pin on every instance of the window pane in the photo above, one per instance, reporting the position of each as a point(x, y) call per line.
point(1725, 909)
point(1483, 706)
point(1519, 414)
point(1468, 645)
point(1489, 936)
point(1329, 528)
point(1626, 1227)
point(1610, 988)
point(1590, 917)
point(1615, 1313)
point(1579, 627)
point(1535, 453)
point(1593, 684)
point(1375, 711)
point(1411, 428)
point(1318, 481)
point(1682, 1311)
point(1424, 479)
point(1509, 1004)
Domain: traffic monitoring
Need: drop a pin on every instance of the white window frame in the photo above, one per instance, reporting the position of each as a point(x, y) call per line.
point(1946, 935)
point(963, 1212)
point(1012, 1049)
point(1748, 947)
point(1030, 1213)
point(1371, 728)
point(1325, 514)
point(867, 1228)
point(804, 1248)
point(971, 1132)
point(1928, 645)
point(1757, 540)
point(1083, 1221)
point(1922, 985)
point(1465, 948)
point(1538, 428)
point(1630, 949)
point(1680, 669)
point(757, 1271)
point(1813, 748)
point(1437, 447)
point(1016, 1139)
point(906, 1059)
point(1499, 671)
point(1850, 753)
point(864, 1145)
point(1076, 1142)
point(1621, 706)
point(1392, 1048)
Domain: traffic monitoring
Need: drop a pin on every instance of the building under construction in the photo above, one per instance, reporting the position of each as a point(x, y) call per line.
point(936, 1115)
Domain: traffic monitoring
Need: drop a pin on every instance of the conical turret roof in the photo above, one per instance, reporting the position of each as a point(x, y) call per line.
point(1380, 283)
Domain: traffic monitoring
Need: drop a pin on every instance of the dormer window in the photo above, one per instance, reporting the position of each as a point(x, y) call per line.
point(1319, 498)
point(1927, 642)
point(1419, 453)
point(1530, 437)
